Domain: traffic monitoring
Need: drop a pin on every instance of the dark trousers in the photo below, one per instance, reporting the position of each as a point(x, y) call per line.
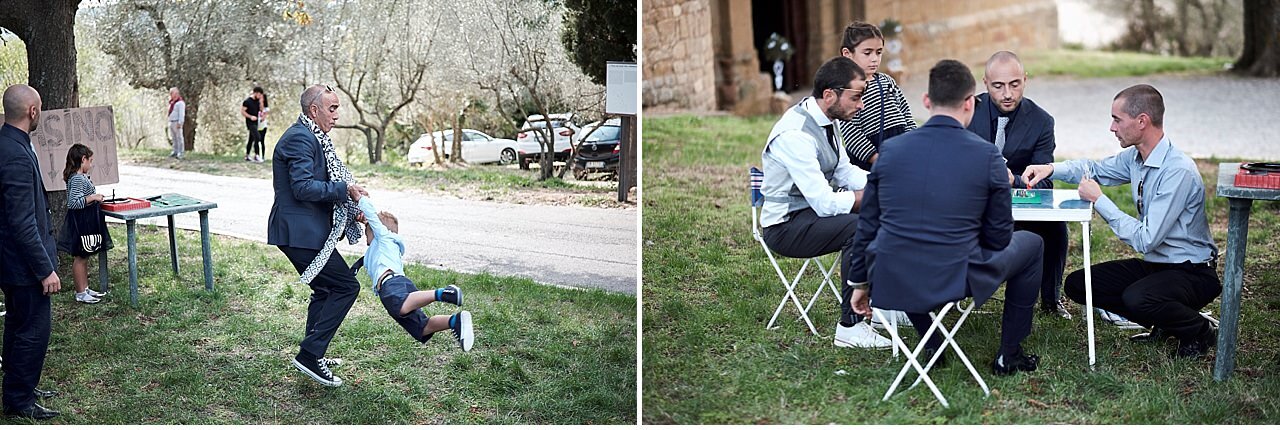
point(1054, 235)
point(1168, 296)
point(333, 292)
point(26, 341)
point(255, 143)
point(1019, 265)
point(808, 235)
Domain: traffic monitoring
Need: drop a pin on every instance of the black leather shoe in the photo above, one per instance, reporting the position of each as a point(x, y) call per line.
point(1197, 347)
point(36, 412)
point(928, 353)
point(44, 394)
point(1056, 308)
point(1008, 365)
point(1155, 336)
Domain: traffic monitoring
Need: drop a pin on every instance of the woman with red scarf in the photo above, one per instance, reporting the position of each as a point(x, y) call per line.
point(177, 111)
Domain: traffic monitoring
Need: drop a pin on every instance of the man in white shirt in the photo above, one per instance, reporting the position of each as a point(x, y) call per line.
point(811, 191)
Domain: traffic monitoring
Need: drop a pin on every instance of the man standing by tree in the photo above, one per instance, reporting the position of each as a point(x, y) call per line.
point(314, 205)
point(28, 256)
point(177, 111)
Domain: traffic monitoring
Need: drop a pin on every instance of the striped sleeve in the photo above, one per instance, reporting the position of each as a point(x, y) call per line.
point(78, 188)
point(903, 106)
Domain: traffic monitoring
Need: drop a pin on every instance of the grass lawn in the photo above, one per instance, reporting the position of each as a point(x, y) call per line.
point(709, 290)
point(1104, 64)
point(476, 182)
point(543, 354)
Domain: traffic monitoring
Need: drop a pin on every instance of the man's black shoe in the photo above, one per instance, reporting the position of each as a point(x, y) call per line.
point(1010, 364)
point(36, 412)
point(318, 370)
point(1056, 308)
point(44, 394)
point(928, 353)
point(1157, 334)
point(1197, 347)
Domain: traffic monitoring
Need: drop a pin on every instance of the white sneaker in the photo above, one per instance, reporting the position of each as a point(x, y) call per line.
point(86, 298)
point(98, 294)
point(861, 335)
point(1117, 320)
point(898, 317)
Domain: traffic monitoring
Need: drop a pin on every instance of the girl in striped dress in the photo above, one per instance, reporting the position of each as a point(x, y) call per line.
point(885, 113)
point(81, 195)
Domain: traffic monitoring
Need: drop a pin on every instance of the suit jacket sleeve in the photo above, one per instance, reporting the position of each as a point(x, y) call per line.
point(17, 175)
point(1042, 154)
point(868, 227)
point(298, 151)
point(997, 220)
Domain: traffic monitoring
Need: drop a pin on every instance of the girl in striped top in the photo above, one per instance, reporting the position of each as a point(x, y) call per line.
point(81, 194)
point(885, 113)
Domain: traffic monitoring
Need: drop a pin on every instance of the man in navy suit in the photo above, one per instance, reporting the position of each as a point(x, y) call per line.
point(1023, 132)
point(937, 224)
point(28, 256)
point(300, 221)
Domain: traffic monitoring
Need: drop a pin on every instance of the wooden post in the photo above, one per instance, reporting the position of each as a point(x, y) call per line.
point(627, 157)
point(1233, 274)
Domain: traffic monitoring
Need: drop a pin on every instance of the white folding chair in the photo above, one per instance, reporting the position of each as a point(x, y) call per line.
point(757, 200)
point(948, 336)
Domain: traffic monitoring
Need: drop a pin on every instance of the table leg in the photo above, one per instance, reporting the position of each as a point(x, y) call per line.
point(1233, 279)
point(103, 278)
point(204, 248)
point(1088, 293)
point(132, 227)
point(173, 247)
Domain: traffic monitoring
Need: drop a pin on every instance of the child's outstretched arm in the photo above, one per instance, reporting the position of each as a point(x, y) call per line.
point(371, 217)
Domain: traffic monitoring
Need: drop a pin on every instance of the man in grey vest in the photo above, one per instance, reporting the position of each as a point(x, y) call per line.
point(811, 191)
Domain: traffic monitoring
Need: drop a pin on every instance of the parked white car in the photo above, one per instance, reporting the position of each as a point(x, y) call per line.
point(564, 128)
point(477, 147)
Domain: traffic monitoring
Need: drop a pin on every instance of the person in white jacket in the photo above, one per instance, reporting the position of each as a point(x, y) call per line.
point(177, 113)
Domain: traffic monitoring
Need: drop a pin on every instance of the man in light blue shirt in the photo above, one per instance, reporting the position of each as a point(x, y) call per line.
point(384, 263)
point(1166, 289)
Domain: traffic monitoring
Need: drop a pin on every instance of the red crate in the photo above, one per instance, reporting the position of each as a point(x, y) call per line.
point(127, 204)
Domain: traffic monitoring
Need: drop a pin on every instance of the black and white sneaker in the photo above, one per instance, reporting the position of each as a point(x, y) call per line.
point(462, 331)
point(318, 370)
point(451, 294)
point(332, 362)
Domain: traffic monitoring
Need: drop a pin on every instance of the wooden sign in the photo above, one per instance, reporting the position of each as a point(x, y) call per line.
point(59, 129)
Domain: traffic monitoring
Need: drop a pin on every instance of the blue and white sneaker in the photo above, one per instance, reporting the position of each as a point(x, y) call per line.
point(451, 294)
point(463, 331)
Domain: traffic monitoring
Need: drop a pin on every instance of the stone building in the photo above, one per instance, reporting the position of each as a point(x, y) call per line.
point(702, 55)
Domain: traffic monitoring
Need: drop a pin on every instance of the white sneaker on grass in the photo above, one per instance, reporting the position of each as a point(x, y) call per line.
point(899, 318)
point(86, 298)
point(98, 294)
point(1117, 320)
point(861, 335)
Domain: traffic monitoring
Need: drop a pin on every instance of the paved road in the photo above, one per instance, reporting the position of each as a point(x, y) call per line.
point(559, 245)
point(1223, 116)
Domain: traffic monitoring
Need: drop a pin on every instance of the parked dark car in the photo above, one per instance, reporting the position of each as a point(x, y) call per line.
point(598, 151)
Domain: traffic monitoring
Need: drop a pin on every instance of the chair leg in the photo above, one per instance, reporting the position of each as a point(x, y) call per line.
point(949, 339)
point(791, 286)
point(911, 359)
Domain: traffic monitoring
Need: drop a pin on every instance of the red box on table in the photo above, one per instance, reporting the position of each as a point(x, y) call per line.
point(1259, 175)
point(128, 204)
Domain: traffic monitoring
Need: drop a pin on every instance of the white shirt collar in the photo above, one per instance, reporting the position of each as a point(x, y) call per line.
point(811, 107)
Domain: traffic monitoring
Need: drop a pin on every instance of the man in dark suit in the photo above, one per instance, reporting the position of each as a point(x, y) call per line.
point(300, 223)
point(1023, 132)
point(28, 256)
point(937, 224)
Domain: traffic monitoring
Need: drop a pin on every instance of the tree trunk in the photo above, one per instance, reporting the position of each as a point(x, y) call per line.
point(1261, 55)
point(380, 141)
point(191, 120)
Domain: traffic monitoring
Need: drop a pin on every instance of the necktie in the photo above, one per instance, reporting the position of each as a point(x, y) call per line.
point(1000, 123)
point(831, 135)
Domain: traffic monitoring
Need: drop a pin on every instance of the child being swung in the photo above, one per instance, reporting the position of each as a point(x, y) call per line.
point(402, 299)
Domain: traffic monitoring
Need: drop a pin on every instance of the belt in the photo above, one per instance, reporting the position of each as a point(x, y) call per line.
point(385, 276)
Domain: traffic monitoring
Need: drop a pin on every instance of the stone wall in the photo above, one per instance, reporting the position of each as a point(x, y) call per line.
point(678, 60)
point(966, 30)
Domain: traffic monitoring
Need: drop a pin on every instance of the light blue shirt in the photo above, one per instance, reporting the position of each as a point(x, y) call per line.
point(386, 252)
point(1173, 227)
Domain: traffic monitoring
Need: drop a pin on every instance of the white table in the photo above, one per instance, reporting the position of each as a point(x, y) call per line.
point(1075, 210)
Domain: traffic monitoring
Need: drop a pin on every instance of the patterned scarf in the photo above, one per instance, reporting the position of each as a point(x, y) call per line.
point(343, 221)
